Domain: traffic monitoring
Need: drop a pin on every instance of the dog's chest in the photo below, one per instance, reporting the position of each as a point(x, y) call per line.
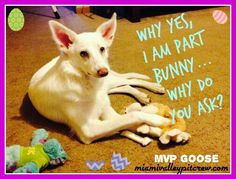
point(94, 107)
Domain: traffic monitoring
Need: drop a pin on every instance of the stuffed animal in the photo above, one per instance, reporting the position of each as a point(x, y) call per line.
point(33, 159)
point(174, 132)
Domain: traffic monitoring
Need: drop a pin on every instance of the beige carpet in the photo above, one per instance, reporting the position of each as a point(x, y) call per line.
point(33, 47)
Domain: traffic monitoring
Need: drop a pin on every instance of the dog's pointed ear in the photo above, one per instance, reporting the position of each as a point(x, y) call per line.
point(63, 36)
point(108, 29)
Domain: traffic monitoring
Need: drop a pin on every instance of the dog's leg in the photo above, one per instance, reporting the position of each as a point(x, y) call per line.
point(131, 75)
point(115, 81)
point(142, 140)
point(175, 134)
point(154, 87)
point(112, 122)
point(145, 129)
point(149, 130)
point(140, 96)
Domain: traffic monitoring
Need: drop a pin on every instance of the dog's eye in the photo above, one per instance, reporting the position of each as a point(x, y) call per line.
point(102, 49)
point(84, 54)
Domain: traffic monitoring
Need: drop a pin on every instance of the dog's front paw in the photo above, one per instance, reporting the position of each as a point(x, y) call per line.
point(183, 137)
point(175, 135)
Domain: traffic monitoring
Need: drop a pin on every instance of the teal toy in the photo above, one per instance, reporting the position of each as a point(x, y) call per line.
point(42, 153)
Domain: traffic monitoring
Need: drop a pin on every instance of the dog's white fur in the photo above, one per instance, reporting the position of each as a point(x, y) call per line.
point(73, 88)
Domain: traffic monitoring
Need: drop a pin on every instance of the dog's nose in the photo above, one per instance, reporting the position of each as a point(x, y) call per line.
point(102, 72)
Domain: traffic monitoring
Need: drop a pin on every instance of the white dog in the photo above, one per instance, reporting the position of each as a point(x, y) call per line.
point(73, 88)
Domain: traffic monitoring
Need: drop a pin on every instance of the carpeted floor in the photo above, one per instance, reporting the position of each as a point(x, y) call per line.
point(32, 47)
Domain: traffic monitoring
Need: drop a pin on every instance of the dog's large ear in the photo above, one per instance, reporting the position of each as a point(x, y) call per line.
point(63, 36)
point(108, 29)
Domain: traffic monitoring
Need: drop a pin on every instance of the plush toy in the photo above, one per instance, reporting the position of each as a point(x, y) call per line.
point(33, 159)
point(173, 132)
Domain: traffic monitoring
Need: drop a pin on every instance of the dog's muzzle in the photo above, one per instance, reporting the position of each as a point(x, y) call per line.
point(102, 72)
